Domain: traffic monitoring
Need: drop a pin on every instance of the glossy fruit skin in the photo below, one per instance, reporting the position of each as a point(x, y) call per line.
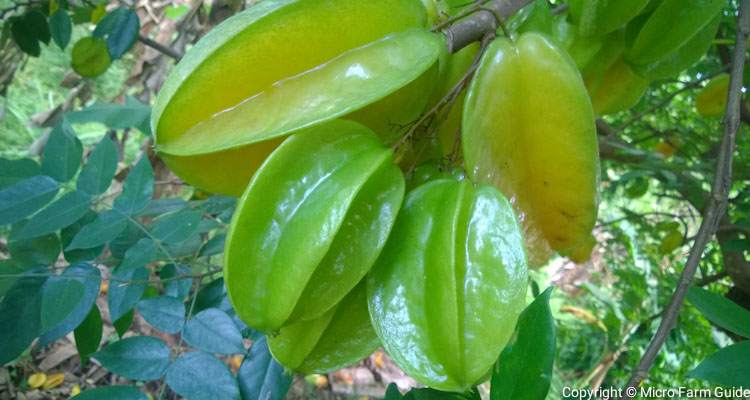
point(310, 224)
point(670, 27)
point(712, 99)
point(232, 64)
point(338, 338)
point(447, 289)
point(599, 17)
point(528, 129)
point(611, 82)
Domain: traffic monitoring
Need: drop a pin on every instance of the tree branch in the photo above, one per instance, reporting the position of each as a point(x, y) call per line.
point(167, 51)
point(717, 202)
point(485, 19)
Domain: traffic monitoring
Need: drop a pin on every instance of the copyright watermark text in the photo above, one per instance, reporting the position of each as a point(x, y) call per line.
point(646, 392)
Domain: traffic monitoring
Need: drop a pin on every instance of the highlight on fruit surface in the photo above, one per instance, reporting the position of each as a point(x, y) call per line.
point(310, 224)
point(228, 100)
point(340, 337)
point(548, 167)
point(712, 99)
point(445, 294)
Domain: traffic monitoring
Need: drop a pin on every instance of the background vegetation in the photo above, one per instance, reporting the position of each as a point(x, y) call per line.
point(146, 249)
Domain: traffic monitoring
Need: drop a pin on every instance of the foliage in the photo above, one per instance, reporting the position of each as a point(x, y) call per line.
point(90, 217)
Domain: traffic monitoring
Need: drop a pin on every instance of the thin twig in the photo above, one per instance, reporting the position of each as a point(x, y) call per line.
point(717, 202)
point(167, 51)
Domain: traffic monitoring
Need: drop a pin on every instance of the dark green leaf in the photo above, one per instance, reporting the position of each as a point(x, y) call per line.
point(88, 334)
point(42, 250)
point(139, 358)
point(728, 366)
point(123, 296)
point(164, 313)
point(432, 394)
point(68, 233)
point(105, 228)
point(63, 212)
point(260, 376)
point(99, 170)
point(115, 116)
point(61, 28)
point(24, 36)
point(213, 331)
point(163, 206)
point(90, 57)
point(20, 320)
point(12, 171)
point(210, 295)
point(126, 239)
point(36, 22)
point(199, 376)
point(187, 248)
point(524, 369)
point(123, 323)
point(60, 296)
point(721, 311)
point(176, 227)
point(121, 28)
point(214, 246)
point(138, 188)
point(62, 154)
point(142, 253)
point(392, 392)
point(737, 245)
point(90, 278)
point(112, 393)
point(177, 288)
point(10, 269)
point(25, 197)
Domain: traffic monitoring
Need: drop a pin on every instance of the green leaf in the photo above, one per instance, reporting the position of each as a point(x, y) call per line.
point(105, 228)
point(138, 188)
point(210, 295)
point(727, 367)
point(61, 28)
point(90, 278)
point(721, 311)
point(100, 168)
point(88, 335)
point(63, 212)
point(199, 375)
point(112, 393)
point(68, 233)
point(737, 245)
point(36, 22)
point(163, 206)
point(132, 114)
point(90, 57)
point(139, 358)
point(60, 296)
point(262, 377)
point(214, 246)
point(120, 27)
point(177, 288)
point(24, 36)
point(123, 296)
point(524, 369)
point(25, 197)
point(20, 316)
point(62, 154)
point(12, 171)
point(41, 250)
point(164, 313)
point(432, 394)
point(123, 323)
point(176, 227)
point(213, 331)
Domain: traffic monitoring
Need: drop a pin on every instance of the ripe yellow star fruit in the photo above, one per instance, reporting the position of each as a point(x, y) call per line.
point(528, 128)
point(283, 65)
